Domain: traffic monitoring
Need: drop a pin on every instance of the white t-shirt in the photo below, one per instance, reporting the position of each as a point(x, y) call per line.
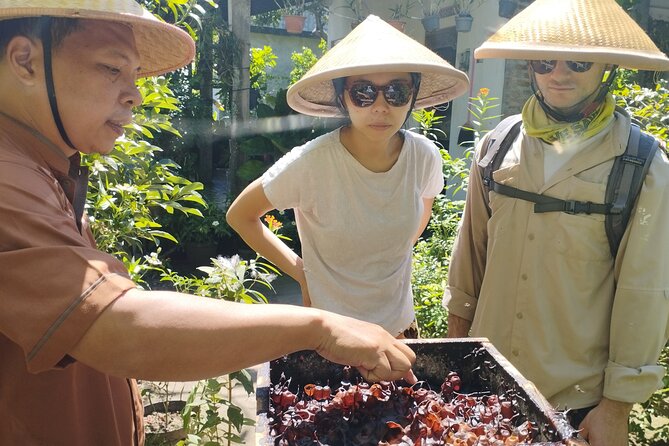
point(357, 226)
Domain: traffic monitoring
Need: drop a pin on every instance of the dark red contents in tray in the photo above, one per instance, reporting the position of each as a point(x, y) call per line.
point(478, 380)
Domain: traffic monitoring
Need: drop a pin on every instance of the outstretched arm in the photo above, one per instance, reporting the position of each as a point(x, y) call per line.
point(168, 336)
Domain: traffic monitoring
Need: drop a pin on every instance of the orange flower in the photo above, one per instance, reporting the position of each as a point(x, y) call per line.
point(484, 91)
point(272, 222)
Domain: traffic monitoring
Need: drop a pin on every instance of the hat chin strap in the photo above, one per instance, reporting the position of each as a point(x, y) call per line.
point(587, 106)
point(415, 80)
point(45, 28)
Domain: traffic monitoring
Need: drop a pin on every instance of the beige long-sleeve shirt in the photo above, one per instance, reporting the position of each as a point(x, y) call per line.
point(544, 288)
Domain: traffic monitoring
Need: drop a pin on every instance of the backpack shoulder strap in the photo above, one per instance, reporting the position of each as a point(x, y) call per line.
point(625, 181)
point(499, 141)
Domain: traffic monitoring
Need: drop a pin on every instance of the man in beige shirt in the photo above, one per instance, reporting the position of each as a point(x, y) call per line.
point(74, 329)
point(584, 325)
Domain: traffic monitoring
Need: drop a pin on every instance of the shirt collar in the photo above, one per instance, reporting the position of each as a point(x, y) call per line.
point(40, 146)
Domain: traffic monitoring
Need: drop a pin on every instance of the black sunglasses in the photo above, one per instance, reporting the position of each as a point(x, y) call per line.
point(364, 93)
point(546, 66)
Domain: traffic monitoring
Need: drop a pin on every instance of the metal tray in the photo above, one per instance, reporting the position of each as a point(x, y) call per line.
point(480, 366)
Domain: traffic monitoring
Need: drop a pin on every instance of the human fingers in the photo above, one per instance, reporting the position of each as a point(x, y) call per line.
point(394, 362)
point(379, 371)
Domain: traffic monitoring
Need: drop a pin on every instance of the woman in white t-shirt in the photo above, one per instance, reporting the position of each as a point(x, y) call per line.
point(362, 194)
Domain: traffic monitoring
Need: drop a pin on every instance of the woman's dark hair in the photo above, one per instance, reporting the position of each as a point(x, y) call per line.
point(340, 82)
point(31, 27)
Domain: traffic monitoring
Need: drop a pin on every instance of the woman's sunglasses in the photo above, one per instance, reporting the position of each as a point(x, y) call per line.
point(364, 93)
point(546, 66)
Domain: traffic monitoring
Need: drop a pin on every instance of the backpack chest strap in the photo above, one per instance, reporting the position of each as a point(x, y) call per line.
point(543, 203)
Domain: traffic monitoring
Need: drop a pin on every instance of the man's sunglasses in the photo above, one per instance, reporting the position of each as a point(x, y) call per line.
point(546, 66)
point(364, 93)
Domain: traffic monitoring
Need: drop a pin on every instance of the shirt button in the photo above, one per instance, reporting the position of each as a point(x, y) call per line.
point(524, 276)
point(515, 352)
point(531, 236)
point(519, 315)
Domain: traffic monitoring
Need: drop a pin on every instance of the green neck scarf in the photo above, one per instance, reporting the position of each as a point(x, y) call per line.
point(540, 125)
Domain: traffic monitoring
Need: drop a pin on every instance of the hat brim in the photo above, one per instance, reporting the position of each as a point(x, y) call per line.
point(625, 58)
point(584, 30)
point(162, 47)
point(316, 95)
point(374, 46)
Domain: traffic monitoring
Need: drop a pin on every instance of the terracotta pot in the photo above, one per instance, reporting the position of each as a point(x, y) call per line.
point(294, 23)
point(397, 24)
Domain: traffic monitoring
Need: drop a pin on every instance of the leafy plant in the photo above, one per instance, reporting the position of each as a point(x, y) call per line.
point(228, 278)
point(129, 187)
point(431, 7)
point(430, 255)
point(360, 9)
point(303, 61)
point(262, 59)
point(209, 406)
point(464, 7)
point(401, 10)
point(291, 7)
point(480, 109)
point(428, 120)
point(207, 225)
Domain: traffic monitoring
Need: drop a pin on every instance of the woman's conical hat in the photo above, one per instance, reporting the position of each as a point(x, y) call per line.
point(584, 30)
point(374, 46)
point(162, 47)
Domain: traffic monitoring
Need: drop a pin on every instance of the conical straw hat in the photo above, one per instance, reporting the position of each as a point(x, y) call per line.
point(162, 47)
point(583, 30)
point(374, 46)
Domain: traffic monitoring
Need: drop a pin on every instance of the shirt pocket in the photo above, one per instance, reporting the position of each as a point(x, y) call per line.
point(581, 236)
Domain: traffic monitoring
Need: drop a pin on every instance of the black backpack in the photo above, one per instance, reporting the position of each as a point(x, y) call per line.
point(623, 186)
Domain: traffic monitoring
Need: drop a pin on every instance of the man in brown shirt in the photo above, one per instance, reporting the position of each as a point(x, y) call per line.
point(73, 327)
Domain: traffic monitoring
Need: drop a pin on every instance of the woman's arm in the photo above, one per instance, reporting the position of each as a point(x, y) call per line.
point(425, 218)
point(244, 217)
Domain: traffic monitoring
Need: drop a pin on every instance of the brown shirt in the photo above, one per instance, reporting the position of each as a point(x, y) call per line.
point(54, 283)
point(544, 288)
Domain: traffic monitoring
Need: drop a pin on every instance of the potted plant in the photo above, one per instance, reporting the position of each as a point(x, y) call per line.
point(463, 16)
point(360, 11)
point(507, 8)
point(431, 14)
point(293, 14)
point(163, 420)
point(399, 12)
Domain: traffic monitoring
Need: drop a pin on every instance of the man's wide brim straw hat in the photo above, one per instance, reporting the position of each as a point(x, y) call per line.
point(584, 30)
point(374, 46)
point(162, 47)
